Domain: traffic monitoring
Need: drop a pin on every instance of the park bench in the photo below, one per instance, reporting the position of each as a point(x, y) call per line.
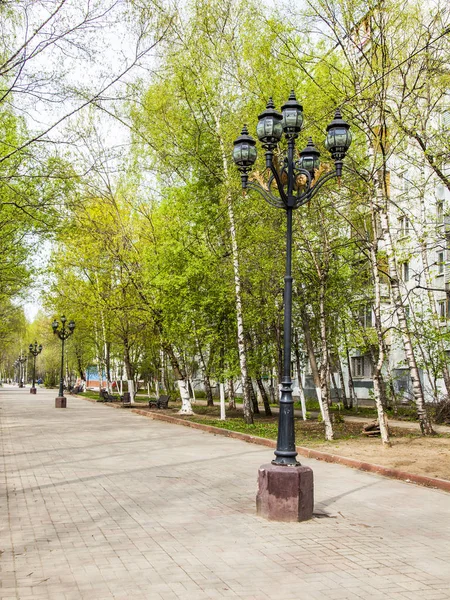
point(106, 396)
point(161, 402)
point(76, 390)
point(126, 399)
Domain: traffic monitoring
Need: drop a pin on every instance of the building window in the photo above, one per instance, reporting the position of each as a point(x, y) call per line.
point(445, 120)
point(440, 211)
point(405, 182)
point(365, 315)
point(404, 224)
point(440, 263)
point(405, 271)
point(361, 366)
point(443, 309)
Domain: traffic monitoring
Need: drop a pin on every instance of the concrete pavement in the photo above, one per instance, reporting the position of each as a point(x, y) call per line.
point(99, 504)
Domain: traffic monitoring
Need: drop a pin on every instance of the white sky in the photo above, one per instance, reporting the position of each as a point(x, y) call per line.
point(106, 51)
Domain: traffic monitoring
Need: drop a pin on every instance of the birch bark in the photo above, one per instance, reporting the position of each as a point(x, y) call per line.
point(329, 434)
point(378, 366)
point(247, 406)
point(301, 391)
point(182, 382)
point(325, 364)
point(424, 420)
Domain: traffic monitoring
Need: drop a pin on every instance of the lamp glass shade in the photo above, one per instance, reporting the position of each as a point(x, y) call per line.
point(244, 155)
point(63, 319)
point(40, 348)
point(309, 158)
point(309, 163)
point(244, 151)
point(292, 120)
point(292, 113)
point(338, 139)
point(30, 347)
point(270, 129)
point(55, 325)
point(71, 325)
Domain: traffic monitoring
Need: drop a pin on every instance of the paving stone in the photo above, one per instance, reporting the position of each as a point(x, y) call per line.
point(99, 503)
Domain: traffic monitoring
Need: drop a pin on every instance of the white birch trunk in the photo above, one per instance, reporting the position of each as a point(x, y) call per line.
point(186, 408)
point(301, 393)
point(424, 421)
point(382, 419)
point(222, 401)
point(316, 376)
point(247, 408)
point(319, 398)
point(105, 351)
point(325, 367)
point(131, 389)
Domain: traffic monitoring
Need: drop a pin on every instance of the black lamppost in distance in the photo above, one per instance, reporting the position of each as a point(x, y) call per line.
point(63, 334)
point(21, 360)
point(291, 184)
point(34, 350)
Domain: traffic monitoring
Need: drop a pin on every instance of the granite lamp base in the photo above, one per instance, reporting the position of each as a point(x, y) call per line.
point(285, 493)
point(61, 402)
point(32, 390)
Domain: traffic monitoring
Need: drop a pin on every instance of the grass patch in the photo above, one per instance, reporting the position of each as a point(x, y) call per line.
point(90, 394)
point(306, 432)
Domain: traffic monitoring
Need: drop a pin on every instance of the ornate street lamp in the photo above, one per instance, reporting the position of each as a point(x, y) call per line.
point(63, 334)
point(21, 360)
point(291, 183)
point(34, 350)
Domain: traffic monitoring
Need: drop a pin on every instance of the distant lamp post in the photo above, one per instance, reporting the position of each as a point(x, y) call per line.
point(285, 487)
point(34, 350)
point(63, 334)
point(21, 360)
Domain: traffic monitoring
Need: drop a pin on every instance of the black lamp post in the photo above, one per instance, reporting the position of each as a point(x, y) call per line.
point(34, 350)
point(291, 184)
point(63, 334)
point(21, 360)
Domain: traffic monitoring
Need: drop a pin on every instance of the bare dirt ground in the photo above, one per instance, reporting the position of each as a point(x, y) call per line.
point(418, 455)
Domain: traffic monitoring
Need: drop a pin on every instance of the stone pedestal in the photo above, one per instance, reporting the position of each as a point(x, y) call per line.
point(285, 493)
point(32, 390)
point(61, 402)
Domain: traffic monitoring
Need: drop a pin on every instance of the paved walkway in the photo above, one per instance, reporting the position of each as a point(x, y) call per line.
point(97, 503)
